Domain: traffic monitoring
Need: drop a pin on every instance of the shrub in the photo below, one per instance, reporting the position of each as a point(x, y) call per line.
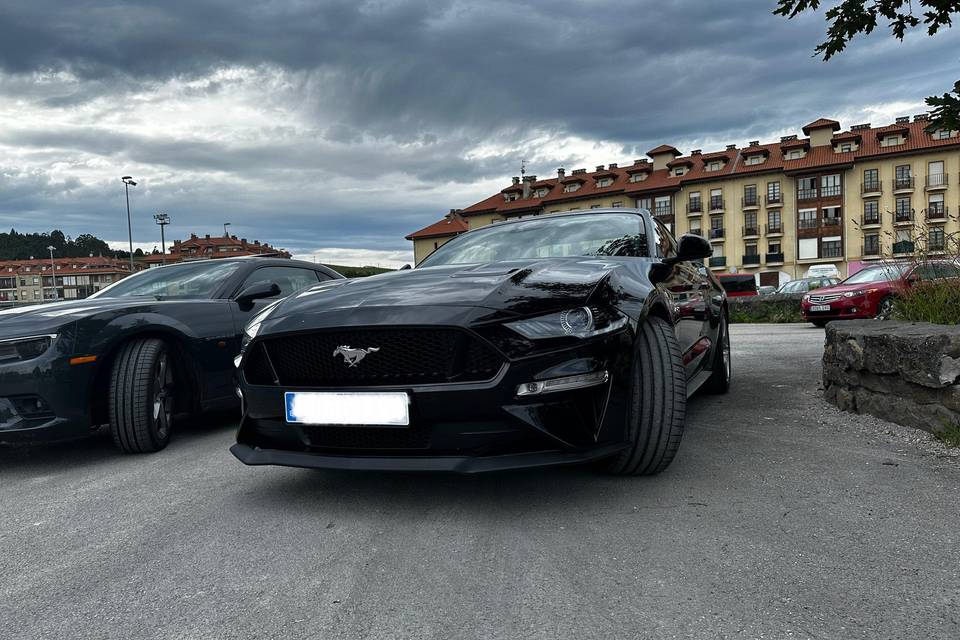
point(936, 301)
point(772, 308)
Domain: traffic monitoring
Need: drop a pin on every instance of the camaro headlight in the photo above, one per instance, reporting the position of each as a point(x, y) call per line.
point(19, 349)
point(253, 327)
point(580, 322)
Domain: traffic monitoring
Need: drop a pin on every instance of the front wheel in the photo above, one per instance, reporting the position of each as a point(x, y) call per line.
point(658, 402)
point(141, 396)
point(885, 308)
point(819, 323)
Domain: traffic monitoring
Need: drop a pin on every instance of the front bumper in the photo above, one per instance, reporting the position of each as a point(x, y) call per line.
point(862, 307)
point(466, 427)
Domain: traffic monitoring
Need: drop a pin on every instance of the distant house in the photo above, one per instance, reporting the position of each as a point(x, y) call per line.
point(37, 280)
point(207, 247)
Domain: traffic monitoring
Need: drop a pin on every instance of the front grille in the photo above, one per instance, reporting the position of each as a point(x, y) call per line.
point(416, 436)
point(827, 297)
point(403, 356)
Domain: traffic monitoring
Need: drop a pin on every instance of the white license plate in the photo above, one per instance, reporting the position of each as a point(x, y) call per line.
point(820, 307)
point(336, 408)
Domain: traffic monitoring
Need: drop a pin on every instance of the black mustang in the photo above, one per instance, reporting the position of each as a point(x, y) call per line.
point(558, 339)
point(132, 355)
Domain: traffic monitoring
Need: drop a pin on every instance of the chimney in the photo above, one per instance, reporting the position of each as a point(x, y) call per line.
point(787, 138)
point(640, 161)
point(921, 117)
point(754, 143)
point(903, 120)
point(612, 165)
point(696, 152)
point(256, 243)
point(516, 180)
point(207, 236)
point(242, 240)
point(860, 127)
point(193, 236)
point(599, 167)
point(731, 147)
point(577, 172)
point(527, 181)
point(561, 173)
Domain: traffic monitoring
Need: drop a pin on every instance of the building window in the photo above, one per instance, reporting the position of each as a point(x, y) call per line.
point(617, 204)
point(539, 193)
point(662, 206)
point(902, 241)
point(806, 188)
point(935, 206)
point(903, 177)
point(871, 244)
point(935, 175)
point(774, 222)
point(871, 179)
point(694, 205)
point(846, 147)
point(773, 192)
point(604, 182)
point(830, 185)
point(807, 248)
point(716, 199)
point(831, 216)
point(36, 294)
point(830, 248)
point(679, 171)
point(757, 159)
point(695, 227)
point(36, 280)
point(750, 224)
point(570, 188)
point(871, 212)
point(941, 134)
point(936, 240)
point(716, 227)
point(749, 195)
point(594, 206)
point(794, 154)
point(715, 165)
point(903, 212)
point(890, 141)
point(638, 177)
point(773, 247)
point(751, 250)
point(807, 218)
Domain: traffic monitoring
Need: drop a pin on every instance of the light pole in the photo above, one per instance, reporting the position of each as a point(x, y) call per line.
point(163, 220)
point(127, 183)
point(225, 225)
point(53, 271)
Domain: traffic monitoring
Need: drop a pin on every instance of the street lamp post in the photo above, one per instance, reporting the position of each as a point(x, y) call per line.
point(225, 225)
point(127, 183)
point(53, 271)
point(163, 220)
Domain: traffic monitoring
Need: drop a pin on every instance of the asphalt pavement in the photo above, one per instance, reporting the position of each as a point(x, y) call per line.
point(780, 518)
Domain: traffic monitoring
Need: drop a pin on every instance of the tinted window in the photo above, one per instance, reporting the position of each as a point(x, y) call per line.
point(191, 280)
point(289, 279)
point(937, 270)
point(601, 234)
point(739, 284)
point(877, 274)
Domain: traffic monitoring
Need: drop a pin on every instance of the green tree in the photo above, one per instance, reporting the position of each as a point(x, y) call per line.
point(851, 18)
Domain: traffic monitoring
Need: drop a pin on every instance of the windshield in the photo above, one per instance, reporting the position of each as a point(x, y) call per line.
point(191, 280)
point(738, 284)
point(601, 234)
point(877, 274)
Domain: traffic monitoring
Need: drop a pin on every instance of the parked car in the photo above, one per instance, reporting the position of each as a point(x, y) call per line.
point(739, 284)
point(871, 292)
point(822, 271)
point(804, 285)
point(558, 339)
point(152, 345)
point(766, 290)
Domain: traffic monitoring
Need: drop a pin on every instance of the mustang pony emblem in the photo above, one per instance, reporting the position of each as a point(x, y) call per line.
point(353, 356)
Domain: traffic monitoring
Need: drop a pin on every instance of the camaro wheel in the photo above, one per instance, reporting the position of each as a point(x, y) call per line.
point(658, 402)
point(141, 396)
point(722, 367)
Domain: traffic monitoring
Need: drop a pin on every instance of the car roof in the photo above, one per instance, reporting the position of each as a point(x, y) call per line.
point(562, 214)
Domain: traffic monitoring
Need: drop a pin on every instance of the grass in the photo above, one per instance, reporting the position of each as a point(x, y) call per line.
point(950, 435)
point(937, 302)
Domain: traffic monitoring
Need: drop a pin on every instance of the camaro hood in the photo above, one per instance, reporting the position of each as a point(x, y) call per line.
point(44, 318)
point(526, 286)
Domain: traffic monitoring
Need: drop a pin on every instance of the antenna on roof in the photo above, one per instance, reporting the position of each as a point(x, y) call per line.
point(523, 168)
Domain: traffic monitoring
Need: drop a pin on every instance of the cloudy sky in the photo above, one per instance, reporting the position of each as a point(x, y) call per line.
point(336, 128)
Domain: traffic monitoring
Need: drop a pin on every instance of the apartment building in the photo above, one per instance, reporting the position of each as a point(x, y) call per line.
point(826, 197)
point(37, 280)
point(207, 247)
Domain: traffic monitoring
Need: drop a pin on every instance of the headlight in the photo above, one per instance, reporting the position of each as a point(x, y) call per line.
point(581, 322)
point(253, 327)
point(806, 297)
point(19, 349)
point(857, 293)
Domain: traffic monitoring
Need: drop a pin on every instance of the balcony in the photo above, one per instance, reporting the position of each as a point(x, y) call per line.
point(694, 207)
point(939, 245)
point(937, 211)
point(751, 259)
point(871, 219)
point(903, 216)
point(936, 182)
point(663, 210)
point(718, 261)
point(831, 191)
point(903, 184)
point(716, 203)
point(696, 232)
point(752, 231)
point(831, 251)
point(829, 223)
point(807, 224)
point(872, 188)
point(774, 258)
point(774, 199)
point(750, 202)
point(774, 230)
point(806, 194)
point(716, 233)
point(903, 247)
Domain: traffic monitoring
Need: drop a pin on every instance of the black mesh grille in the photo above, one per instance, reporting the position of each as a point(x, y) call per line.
point(404, 356)
point(256, 369)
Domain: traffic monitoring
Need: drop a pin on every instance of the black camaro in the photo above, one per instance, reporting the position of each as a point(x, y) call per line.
point(134, 354)
point(558, 339)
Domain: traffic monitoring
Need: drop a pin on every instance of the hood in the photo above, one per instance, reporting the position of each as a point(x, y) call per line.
point(524, 286)
point(843, 288)
point(43, 318)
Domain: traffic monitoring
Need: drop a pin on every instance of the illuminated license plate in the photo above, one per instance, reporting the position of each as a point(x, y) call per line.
point(820, 307)
point(343, 408)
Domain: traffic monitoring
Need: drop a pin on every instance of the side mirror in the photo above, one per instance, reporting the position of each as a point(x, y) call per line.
point(257, 291)
point(405, 267)
point(691, 248)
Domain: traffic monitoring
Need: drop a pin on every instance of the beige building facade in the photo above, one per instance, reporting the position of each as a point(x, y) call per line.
point(828, 197)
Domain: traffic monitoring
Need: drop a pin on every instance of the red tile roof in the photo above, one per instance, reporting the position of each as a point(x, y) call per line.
point(821, 123)
point(450, 225)
point(664, 148)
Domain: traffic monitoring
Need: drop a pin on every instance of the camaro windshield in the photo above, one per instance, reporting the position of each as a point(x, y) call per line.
point(191, 280)
point(602, 234)
point(877, 274)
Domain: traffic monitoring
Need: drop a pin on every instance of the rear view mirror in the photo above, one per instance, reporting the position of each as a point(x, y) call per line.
point(257, 291)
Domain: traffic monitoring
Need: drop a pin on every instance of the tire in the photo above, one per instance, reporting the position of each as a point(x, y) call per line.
point(141, 396)
point(658, 390)
point(722, 366)
point(885, 308)
point(819, 323)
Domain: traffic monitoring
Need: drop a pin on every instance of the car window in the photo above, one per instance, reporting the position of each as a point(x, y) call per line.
point(191, 280)
point(936, 271)
point(792, 287)
point(289, 279)
point(666, 245)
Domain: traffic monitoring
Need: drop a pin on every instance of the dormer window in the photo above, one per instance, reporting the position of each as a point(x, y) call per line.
point(757, 159)
point(794, 154)
point(714, 165)
point(604, 182)
point(941, 134)
point(891, 141)
point(570, 188)
point(638, 177)
point(679, 171)
point(511, 196)
point(540, 193)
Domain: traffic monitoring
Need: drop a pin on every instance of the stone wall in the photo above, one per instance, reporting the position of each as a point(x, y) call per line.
point(905, 372)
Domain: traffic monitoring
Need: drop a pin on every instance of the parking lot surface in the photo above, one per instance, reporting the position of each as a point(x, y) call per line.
point(780, 518)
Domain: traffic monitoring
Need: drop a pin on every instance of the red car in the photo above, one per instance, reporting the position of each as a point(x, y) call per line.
point(870, 293)
point(736, 284)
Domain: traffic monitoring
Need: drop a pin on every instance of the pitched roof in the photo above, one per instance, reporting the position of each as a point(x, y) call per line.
point(451, 225)
point(821, 123)
point(664, 148)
